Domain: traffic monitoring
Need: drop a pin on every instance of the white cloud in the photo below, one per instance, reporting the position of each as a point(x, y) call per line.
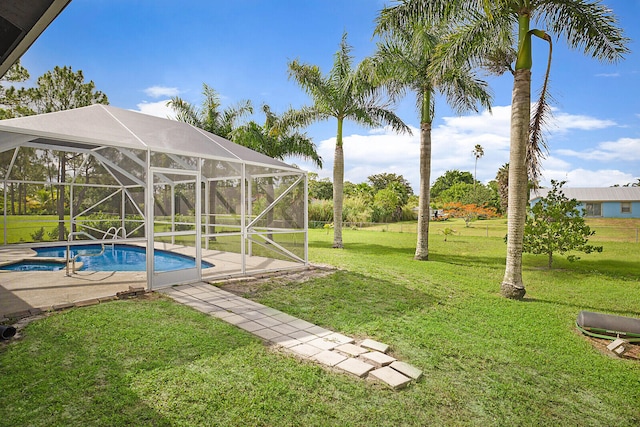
point(587, 178)
point(563, 122)
point(624, 149)
point(158, 109)
point(158, 91)
point(381, 150)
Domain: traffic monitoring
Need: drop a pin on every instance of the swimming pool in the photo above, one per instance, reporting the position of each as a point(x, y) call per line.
point(114, 258)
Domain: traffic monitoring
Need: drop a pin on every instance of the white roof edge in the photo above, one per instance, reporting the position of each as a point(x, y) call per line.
point(64, 138)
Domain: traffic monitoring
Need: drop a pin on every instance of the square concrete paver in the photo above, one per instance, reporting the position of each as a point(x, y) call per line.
point(351, 349)
point(391, 377)
point(284, 329)
point(301, 324)
point(286, 341)
point(355, 367)
point(253, 315)
point(377, 359)
point(250, 326)
point(267, 334)
point(339, 339)
point(305, 350)
point(406, 369)
point(319, 331)
point(268, 321)
point(322, 343)
point(234, 319)
point(269, 311)
point(302, 335)
point(284, 318)
point(374, 345)
point(329, 358)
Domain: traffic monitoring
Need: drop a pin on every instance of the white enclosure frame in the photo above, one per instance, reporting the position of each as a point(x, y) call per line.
point(142, 142)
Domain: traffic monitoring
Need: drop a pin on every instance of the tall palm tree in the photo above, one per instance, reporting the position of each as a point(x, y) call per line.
point(485, 32)
point(402, 63)
point(345, 93)
point(478, 152)
point(209, 117)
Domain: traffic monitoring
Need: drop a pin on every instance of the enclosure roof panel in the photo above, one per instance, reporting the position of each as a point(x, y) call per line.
point(103, 125)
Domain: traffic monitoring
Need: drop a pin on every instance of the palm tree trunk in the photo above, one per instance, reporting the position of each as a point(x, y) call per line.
point(338, 185)
point(512, 285)
point(422, 245)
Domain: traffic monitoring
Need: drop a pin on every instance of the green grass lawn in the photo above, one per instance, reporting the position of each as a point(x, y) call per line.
point(486, 360)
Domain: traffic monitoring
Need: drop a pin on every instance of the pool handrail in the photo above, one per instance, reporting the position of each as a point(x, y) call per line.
point(115, 233)
point(73, 260)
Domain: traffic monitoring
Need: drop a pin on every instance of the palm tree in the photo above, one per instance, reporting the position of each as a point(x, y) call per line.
point(209, 117)
point(502, 176)
point(402, 63)
point(345, 93)
point(478, 152)
point(278, 137)
point(484, 35)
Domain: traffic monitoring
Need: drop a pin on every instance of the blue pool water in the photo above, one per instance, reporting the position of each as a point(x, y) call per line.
point(114, 258)
point(33, 265)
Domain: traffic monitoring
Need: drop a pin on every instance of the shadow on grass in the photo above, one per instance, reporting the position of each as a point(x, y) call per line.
point(379, 250)
point(344, 301)
point(469, 260)
point(468, 257)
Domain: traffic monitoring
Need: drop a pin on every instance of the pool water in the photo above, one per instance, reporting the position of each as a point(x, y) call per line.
point(114, 258)
point(33, 265)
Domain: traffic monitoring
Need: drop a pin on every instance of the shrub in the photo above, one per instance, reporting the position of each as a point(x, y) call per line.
point(321, 210)
point(38, 235)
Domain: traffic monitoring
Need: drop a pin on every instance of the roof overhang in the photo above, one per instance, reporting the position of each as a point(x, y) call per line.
point(21, 23)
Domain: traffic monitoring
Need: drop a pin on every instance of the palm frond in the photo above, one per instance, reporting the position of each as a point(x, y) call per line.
point(184, 111)
point(537, 147)
point(588, 25)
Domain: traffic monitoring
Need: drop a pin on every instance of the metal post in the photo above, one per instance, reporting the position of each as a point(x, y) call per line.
point(123, 214)
point(207, 203)
point(306, 219)
point(198, 212)
point(173, 214)
point(250, 210)
point(5, 214)
point(243, 213)
point(149, 219)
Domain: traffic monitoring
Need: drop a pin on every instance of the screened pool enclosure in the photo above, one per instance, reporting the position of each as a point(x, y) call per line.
point(104, 174)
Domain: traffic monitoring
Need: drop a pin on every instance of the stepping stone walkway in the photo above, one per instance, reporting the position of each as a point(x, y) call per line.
point(367, 359)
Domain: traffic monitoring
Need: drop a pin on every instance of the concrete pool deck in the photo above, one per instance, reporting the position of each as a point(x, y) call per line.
point(30, 292)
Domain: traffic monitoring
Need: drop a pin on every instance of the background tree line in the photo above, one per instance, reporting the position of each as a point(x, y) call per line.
point(387, 197)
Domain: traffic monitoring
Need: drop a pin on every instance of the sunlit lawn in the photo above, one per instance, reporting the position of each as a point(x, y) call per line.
point(486, 360)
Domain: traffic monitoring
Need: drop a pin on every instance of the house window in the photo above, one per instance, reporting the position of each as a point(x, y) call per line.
point(625, 207)
point(593, 209)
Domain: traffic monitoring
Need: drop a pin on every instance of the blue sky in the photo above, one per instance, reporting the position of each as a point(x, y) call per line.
point(142, 52)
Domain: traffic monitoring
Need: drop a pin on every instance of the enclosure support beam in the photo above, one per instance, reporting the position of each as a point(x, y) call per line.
point(306, 219)
point(243, 219)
